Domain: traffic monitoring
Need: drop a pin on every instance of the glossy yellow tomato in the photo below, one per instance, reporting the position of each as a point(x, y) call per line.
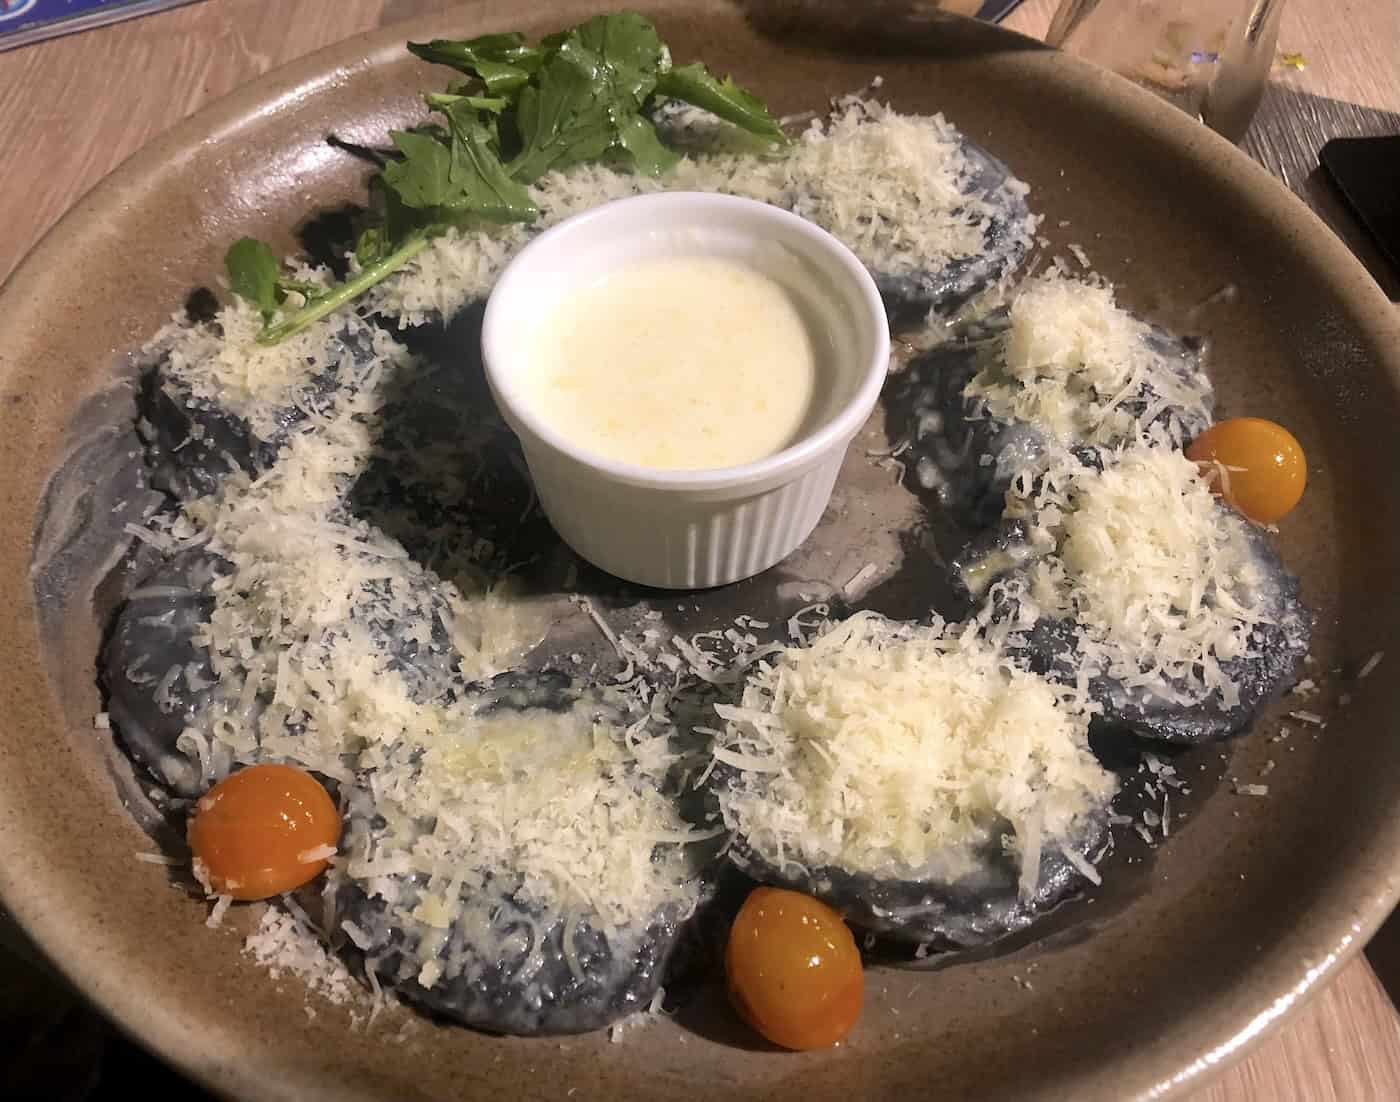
point(1256, 465)
point(263, 830)
point(793, 969)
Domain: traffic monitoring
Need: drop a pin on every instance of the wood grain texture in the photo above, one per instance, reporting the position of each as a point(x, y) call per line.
point(78, 106)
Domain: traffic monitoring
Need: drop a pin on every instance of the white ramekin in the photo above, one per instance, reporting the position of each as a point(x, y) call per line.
point(689, 529)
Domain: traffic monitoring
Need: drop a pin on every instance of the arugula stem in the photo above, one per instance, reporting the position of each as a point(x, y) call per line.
point(351, 289)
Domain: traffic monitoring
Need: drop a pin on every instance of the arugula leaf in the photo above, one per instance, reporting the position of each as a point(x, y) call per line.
point(564, 118)
point(304, 287)
point(696, 85)
point(503, 46)
point(499, 77)
point(443, 101)
point(372, 246)
point(638, 136)
point(502, 62)
point(341, 293)
point(508, 48)
point(252, 274)
point(255, 275)
point(422, 179)
point(476, 166)
point(588, 98)
point(628, 45)
point(457, 178)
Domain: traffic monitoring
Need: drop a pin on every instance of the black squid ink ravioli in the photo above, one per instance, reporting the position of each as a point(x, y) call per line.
point(524, 870)
point(1061, 365)
point(1133, 582)
point(917, 778)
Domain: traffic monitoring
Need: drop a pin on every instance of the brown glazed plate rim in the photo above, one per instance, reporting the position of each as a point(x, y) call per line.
point(1278, 979)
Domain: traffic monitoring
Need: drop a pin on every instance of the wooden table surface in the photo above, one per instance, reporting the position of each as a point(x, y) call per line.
point(75, 107)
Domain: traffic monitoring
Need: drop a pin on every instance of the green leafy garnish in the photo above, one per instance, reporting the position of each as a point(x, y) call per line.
point(522, 111)
point(443, 101)
point(565, 118)
point(638, 136)
point(450, 181)
point(252, 274)
point(695, 84)
point(502, 61)
point(341, 293)
point(422, 179)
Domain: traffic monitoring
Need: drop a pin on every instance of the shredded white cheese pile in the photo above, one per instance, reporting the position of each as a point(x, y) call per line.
point(222, 364)
point(316, 605)
point(1159, 576)
point(900, 752)
point(1073, 361)
point(332, 648)
point(284, 944)
point(895, 188)
point(555, 800)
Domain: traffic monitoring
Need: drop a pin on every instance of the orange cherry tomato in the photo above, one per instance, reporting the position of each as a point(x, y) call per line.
point(263, 831)
point(1264, 468)
point(793, 969)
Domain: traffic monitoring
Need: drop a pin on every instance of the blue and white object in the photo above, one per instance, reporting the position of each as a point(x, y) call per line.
point(26, 21)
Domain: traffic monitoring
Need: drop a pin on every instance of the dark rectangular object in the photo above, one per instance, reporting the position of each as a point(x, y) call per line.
point(1367, 172)
point(993, 10)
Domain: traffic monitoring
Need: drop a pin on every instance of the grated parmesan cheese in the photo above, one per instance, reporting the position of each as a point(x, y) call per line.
point(899, 751)
point(651, 1013)
point(158, 859)
point(283, 944)
point(305, 666)
point(552, 798)
point(1077, 366)
point(220, 363)
point(857, 584)
point(1159, 577)
point(216, 914)
point(330, 647)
